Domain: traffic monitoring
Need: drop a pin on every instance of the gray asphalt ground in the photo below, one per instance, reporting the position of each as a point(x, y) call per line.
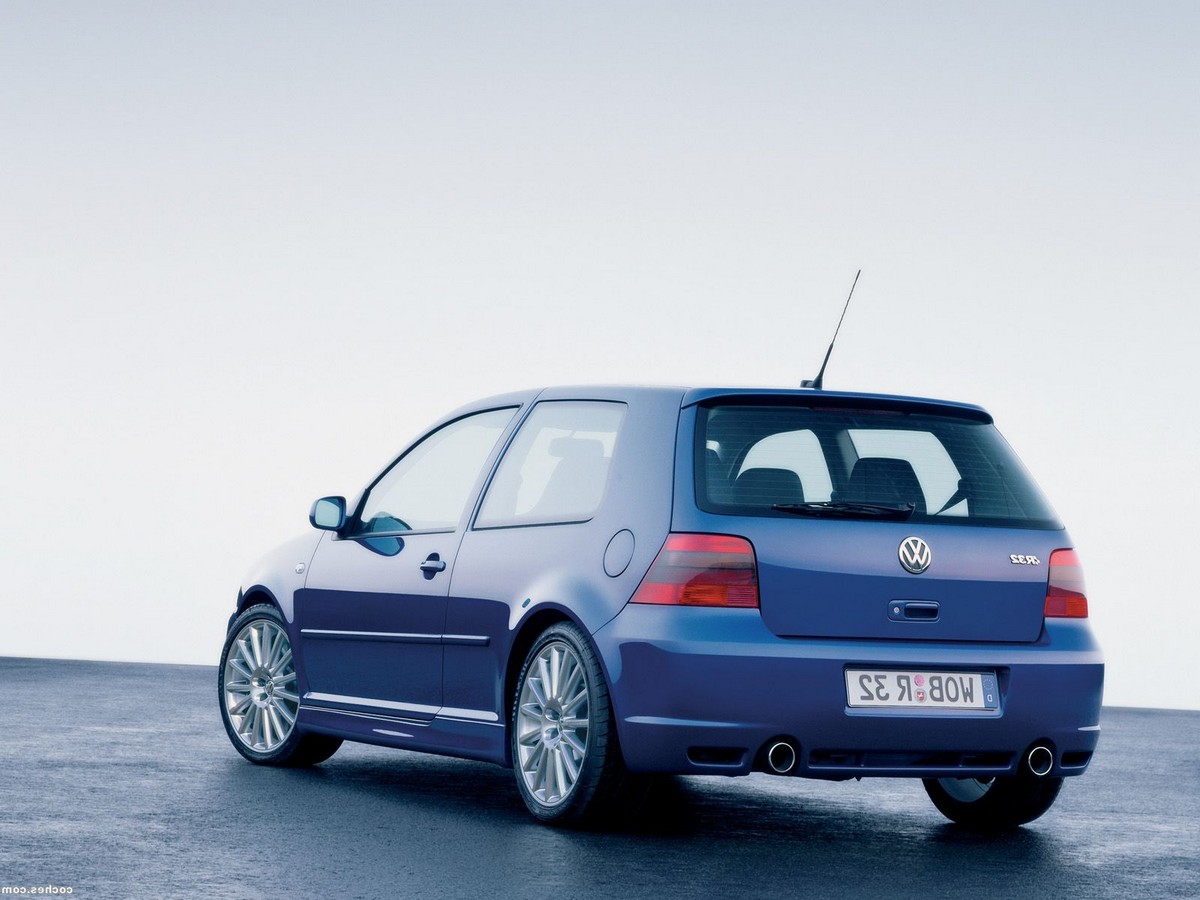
point(118, 781)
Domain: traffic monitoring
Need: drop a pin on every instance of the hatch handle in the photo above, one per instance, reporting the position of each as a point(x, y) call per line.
point(913, 610)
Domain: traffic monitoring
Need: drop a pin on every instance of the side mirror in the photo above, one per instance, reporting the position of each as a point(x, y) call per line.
point(328, 513)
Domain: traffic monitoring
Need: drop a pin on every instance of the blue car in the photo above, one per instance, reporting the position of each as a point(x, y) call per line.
point(595, 585)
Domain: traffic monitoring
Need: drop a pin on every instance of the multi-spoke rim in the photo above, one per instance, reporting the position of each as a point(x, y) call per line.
point(966, 790)
point(552, 723)
point(260, 686)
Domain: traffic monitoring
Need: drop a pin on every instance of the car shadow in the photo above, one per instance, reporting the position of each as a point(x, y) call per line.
point(841, 840)
point(758, 807)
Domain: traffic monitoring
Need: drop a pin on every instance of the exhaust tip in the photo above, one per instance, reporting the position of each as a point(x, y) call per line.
point(1040, 760)
point(781, 757)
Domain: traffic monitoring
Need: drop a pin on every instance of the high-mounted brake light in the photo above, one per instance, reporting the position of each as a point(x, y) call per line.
point(1066, 595)
point(702, 570)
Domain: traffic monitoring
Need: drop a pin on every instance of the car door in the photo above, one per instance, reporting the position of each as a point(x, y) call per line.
point(372, 612)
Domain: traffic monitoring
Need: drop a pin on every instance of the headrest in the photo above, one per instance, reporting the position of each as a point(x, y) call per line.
point(884, 480)
point(764, 487)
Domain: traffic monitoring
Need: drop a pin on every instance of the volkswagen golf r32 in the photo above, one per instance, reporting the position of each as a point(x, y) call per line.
point(594, 585)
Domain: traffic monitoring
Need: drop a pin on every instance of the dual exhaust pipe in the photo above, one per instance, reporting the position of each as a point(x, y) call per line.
point(782, 756)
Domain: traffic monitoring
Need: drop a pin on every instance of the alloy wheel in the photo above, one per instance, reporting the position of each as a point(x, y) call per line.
point(552, 724)
point(966, 790)
point(260, 686)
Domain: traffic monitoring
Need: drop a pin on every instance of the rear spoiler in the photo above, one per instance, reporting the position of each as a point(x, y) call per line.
point(834, 400)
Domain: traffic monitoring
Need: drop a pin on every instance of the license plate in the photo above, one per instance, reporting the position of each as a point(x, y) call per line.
point(912, 689)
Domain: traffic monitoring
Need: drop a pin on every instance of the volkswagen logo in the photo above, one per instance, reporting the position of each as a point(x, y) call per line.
point(915, 555)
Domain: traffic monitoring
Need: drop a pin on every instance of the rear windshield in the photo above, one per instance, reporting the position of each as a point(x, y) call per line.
point(780, 460)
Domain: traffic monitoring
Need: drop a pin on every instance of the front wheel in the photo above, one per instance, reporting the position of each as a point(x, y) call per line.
point(993, 804)
point(568, 763)
point(256, 685)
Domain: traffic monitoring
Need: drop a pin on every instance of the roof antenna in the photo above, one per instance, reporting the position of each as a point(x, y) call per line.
point(816, 383)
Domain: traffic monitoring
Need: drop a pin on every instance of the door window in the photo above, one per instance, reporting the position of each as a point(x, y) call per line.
point(557, 467)
point(428, 488)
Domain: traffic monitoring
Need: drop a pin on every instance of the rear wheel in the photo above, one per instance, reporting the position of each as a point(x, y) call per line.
point(256, 684)
point(565, 754)
point(992, 804)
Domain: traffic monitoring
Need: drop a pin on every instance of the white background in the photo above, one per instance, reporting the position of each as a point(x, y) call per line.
point(248, 250)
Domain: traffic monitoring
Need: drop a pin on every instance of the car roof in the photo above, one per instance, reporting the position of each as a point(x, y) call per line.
point(691, 396)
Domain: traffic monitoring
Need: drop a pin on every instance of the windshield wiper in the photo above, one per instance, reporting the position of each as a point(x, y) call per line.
point(844, 510)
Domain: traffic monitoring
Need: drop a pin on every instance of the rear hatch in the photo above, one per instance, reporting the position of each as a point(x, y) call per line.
point(845, 579)
point(878, 517)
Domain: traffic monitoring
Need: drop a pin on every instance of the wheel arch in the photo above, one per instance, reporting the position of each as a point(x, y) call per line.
point(256, 595)
point(528, 631)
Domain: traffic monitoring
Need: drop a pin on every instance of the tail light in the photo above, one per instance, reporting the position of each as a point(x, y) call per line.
point(1066, 596)
point(702, 570)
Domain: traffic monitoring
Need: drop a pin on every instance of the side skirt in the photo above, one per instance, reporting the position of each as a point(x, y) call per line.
point(446, 735)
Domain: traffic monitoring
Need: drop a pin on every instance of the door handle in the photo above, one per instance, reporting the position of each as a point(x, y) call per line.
point(433, 565)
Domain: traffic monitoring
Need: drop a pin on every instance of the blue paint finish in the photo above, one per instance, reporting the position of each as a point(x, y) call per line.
point(472, 674)
point(275, 574)
point(823, 578)
point(687, 678)
point(447, 736)
point(619, 552)
point(564, 563)
point(839, 398)
point(505, 576)
point(373, 644)
point(391, 654)
point(352, 588)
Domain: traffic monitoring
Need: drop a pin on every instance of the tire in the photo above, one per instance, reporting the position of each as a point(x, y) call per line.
point(993, 804)
point(256, 690)
point(563, 737)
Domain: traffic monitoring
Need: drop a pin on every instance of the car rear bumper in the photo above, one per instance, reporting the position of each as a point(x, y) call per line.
point(706, 691)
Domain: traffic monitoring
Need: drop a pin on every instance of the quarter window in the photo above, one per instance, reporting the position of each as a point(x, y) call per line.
point(428, 488)
point(557, 468)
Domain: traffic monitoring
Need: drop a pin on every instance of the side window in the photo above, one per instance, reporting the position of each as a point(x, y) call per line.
point(795, 451)
point(557, 467)
point(427, 489)
point(935, 471)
